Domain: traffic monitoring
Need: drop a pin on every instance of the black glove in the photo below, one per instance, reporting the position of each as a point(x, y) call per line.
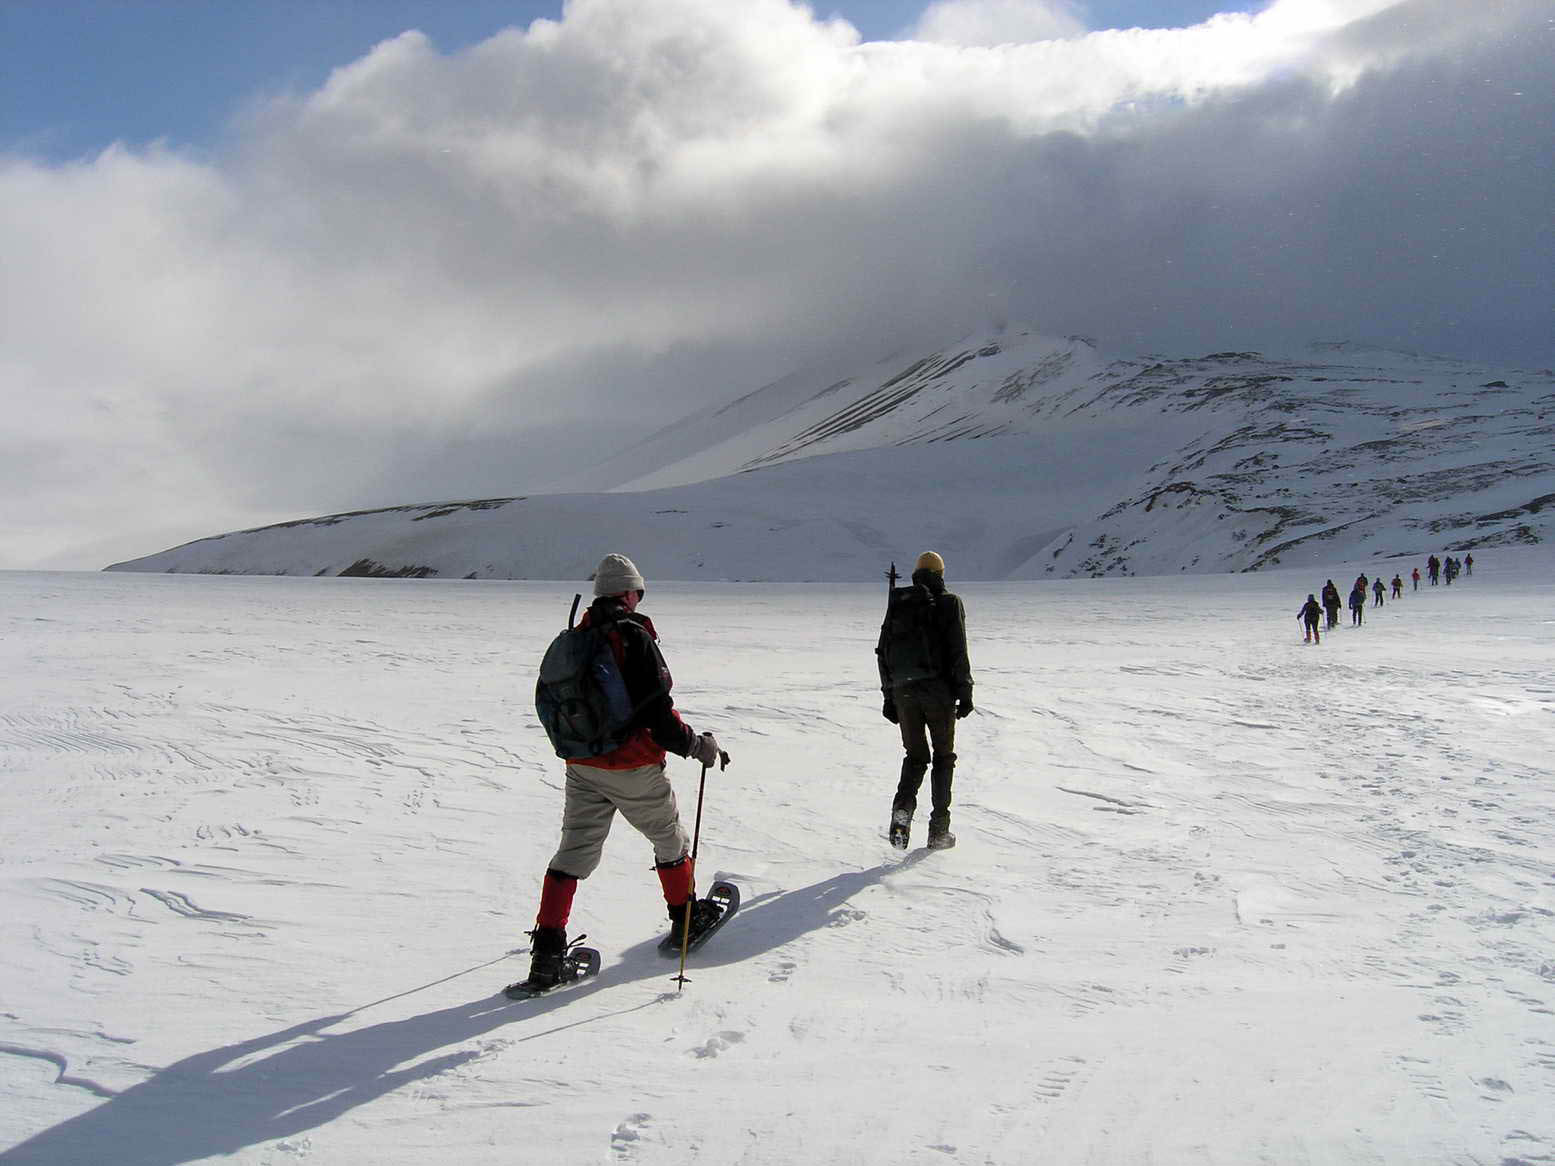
point(963, 707)
point(888, 711)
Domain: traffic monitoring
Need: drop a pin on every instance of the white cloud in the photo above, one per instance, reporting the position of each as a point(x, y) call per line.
point(998, 22)
point(449, 275)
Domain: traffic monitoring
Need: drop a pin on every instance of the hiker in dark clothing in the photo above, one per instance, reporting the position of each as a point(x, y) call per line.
point(1332, 603)
point(1398, 587)
point(1357, 605)
point(926, 680)
point(1308, 617)
point(1377, 589)
point(1433, 567)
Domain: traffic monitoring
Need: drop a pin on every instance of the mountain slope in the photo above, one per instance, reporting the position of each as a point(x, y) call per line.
point(1017, 456)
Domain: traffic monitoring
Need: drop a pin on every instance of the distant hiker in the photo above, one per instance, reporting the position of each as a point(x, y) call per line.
point(1378, 590)
point(926, 681)
point(1398, 587)
point(1331, 603)
point(1433, 567)
point(1449, 570)
point(1357, 605)
point(625, 771)
point(1415, 575)
point(1361, 582)
point(1308, 616)
point(1468, 564)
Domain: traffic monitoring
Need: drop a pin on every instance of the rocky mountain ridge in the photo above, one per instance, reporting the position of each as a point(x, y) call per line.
point(1021, 456)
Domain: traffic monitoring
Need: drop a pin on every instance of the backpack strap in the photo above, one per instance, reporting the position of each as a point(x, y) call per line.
point(612, 629)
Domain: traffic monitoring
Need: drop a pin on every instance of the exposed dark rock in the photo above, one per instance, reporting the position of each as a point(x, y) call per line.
point(370, 569)
point(443, 509)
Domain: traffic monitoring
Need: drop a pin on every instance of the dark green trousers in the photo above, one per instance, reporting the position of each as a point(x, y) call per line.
point(928, 724)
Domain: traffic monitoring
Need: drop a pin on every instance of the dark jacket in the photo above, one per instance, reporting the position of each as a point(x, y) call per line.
point(1310, 612)
point(656, 726)
point(955, 669)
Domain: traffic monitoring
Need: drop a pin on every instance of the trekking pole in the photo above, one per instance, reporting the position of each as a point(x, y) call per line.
point(696, 842)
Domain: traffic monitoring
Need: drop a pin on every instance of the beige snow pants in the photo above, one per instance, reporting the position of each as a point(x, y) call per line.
point(593, 795)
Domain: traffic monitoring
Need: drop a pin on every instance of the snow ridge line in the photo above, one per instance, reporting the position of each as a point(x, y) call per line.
point(59, 1061)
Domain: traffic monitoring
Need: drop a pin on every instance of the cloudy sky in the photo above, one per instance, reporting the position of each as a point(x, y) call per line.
point(277, 259)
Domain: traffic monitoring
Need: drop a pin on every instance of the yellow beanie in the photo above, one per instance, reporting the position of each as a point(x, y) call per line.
point(929, 561)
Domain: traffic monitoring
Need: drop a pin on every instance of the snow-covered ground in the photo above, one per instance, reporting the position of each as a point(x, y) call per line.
point(266, 845)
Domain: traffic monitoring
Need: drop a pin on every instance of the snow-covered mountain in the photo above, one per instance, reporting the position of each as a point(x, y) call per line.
point(1017, 456)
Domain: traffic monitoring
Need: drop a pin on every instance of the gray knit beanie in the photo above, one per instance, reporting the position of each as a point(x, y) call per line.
point(615, 574)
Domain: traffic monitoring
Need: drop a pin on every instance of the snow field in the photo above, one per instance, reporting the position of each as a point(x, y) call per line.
point(1220, 897)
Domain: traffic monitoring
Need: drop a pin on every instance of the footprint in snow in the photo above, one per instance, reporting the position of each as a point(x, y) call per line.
point(718, 1044)
point(626, 1135)
point(842, 916)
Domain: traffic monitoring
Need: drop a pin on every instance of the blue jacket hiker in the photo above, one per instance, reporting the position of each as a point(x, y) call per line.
point(1309, 616)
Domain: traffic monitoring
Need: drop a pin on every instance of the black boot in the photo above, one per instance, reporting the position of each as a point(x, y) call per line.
point(940, 837)
point(704, 913)
point(549, 945)
point(901, 827)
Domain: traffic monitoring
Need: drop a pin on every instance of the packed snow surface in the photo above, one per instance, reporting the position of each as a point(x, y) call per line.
point(267, 847)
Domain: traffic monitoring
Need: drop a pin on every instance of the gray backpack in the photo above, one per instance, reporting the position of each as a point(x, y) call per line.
point(581, 696)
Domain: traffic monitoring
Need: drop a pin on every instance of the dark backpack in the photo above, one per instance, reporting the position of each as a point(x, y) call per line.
point(908, 640)
point(581, 696)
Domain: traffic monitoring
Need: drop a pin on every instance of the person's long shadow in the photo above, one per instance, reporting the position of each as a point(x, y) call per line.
point(222, 1100)
point(769, 921)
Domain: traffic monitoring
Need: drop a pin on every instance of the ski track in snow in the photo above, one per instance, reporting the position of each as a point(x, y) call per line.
point(1219, 897)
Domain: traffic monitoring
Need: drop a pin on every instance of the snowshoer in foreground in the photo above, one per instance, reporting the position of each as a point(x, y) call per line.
point(628, 776)
point(1309, 615)
point(926, 680)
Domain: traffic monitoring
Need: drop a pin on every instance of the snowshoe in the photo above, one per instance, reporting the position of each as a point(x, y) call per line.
point(707, 916)
point(550, 968)
point(901, 828)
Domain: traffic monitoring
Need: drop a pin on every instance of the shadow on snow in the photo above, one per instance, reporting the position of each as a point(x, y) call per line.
point(300, 1078)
